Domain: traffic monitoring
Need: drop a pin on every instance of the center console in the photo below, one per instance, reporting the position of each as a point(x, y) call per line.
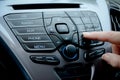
point(46, 37)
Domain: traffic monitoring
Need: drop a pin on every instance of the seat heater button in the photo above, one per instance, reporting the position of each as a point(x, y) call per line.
point(45, 59)
point(62, 28)
point(38, 58)
point(94, 54)
point(52, 60)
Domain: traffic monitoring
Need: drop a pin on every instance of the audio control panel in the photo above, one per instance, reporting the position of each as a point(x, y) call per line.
point(46, 31)
point(47, 38)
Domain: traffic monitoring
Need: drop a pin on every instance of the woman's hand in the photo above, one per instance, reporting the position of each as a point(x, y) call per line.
point(112, 37)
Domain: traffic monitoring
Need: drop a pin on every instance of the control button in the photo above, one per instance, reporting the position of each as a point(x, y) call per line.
point(96, 43)
point(45, 59)
point(77, 21)
point(95, 20)
point(97, 27)
point(67, 21)
point(23, 16)
point(56, 40)
point(35, 37)
point(39, 46)
point(62, 28)
point(75, 38)
point(51, 30)
point(26, 23)
point(54, 14)
point(86, 20)
point(81, 28)
point(52, 60)
point(69, 52)
point(87, 43)
point(38, 59)
point(28, 30)
point(94, 54)
point(75, 13)
point(89, 27)
point(47, 21)
point(90, 13)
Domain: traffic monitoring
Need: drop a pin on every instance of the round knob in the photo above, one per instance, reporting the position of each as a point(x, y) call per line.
point(70, 52)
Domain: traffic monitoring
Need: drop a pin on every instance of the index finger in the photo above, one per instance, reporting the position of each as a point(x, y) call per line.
point(111, 36)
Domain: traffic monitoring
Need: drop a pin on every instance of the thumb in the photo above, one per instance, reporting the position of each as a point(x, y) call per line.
point(112, 59)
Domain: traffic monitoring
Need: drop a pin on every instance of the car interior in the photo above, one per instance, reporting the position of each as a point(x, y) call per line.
point(43, 39)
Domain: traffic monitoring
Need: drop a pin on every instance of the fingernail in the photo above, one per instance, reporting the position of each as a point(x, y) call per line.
point(106, 56)
point(86, 33)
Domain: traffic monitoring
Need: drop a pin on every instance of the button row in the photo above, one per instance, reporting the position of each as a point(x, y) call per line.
point(94, 54)
point(45, 59)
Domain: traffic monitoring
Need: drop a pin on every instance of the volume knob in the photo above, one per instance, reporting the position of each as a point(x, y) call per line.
point(70, 52)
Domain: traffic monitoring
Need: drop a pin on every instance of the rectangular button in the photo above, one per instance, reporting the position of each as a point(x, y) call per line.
point(95, 20)
point(23, 16)
point(26, 23)
point(89, 27)
point(97, 27)
point(86, 20)
point(62, 28)
point(77, 21)
point(35, 37)
point(39, 46)
point(54, 14)
point(47, 21)
point(75, 13)
point(28, 30)
point(81, 28)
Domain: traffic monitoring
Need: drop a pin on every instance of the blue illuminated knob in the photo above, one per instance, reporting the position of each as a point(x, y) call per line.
point(70, 52)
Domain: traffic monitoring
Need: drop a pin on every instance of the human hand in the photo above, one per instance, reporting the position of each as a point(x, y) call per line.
point(112, 37)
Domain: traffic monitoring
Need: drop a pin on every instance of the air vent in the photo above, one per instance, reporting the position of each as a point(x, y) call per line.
point(45, 6)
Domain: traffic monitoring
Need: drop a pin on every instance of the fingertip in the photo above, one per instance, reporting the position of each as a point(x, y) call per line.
point(85, 34)
point(106, 56)
point(112, 59)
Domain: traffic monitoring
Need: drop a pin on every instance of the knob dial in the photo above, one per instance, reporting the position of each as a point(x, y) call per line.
point(70, 52)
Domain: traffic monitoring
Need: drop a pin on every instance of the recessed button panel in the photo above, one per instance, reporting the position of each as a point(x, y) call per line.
point(50, 30)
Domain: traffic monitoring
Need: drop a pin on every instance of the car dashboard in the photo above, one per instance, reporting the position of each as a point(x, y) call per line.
point(45, 40)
